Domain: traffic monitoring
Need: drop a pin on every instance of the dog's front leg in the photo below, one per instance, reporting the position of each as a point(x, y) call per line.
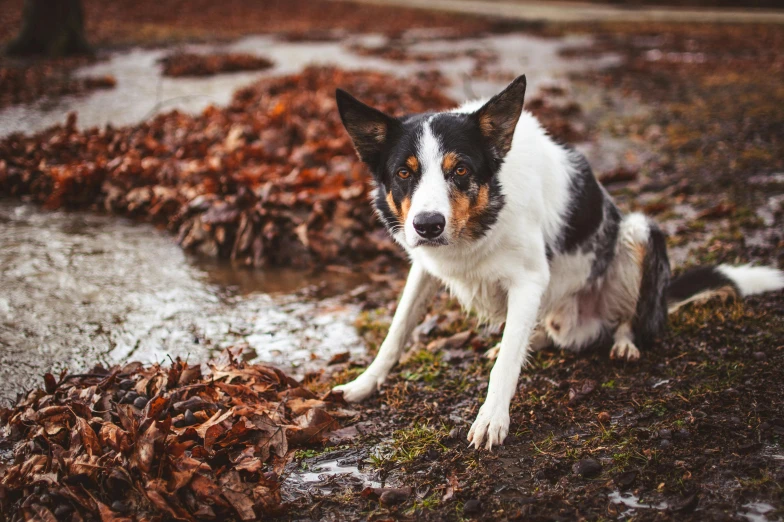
point(492, 423)
point(420, 288)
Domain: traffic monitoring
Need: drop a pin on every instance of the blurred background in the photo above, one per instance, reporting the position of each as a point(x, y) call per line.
point(174, 177)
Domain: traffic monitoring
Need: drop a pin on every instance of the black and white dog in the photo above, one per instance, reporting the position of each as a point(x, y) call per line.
point(517, 227)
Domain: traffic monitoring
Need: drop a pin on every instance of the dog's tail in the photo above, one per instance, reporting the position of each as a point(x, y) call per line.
point(723, 281)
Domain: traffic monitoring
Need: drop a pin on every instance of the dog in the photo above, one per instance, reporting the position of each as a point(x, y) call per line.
point(517, 227)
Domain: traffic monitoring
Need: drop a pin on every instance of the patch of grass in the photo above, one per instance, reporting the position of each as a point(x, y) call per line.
point(426, 504)
point(372, 325)
point(410, 444)
point(422, 366)
point(609, 385)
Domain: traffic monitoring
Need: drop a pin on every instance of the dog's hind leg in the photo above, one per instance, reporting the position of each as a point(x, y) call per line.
point(634, 297)
point(420, 288)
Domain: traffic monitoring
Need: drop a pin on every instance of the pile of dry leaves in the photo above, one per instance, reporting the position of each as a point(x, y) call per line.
point(140, 443)
point(272, 179)
point(192, 64)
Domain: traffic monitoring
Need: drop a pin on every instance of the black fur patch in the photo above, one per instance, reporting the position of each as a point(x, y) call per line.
point(586, 210)
point(697, 280)
point(592, 221)
point(651, 313)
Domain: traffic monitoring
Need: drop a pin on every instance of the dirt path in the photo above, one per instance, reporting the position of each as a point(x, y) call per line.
point(579, 12)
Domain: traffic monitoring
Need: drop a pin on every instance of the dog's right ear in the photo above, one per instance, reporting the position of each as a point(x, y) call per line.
point(369, 128)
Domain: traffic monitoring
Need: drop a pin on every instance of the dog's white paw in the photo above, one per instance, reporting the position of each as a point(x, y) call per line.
point(492, 425)
point(625, 350)
point(360, 388)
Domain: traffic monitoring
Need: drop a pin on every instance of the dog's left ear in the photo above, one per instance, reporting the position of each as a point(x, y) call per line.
point(498, 117)
point(369, 128)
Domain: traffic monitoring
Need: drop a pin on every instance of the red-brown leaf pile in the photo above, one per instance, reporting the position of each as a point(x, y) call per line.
point(192, 64)
point(152, 443)
point(270, 179)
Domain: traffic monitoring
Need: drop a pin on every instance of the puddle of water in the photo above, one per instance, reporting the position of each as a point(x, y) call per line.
point(326, 476)
point(756, 511)
point(142, 91)
point(632, 501)
point(79, 289)
point(330, 468)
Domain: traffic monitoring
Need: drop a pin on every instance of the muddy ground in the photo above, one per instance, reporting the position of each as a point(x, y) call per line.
point(694, 430)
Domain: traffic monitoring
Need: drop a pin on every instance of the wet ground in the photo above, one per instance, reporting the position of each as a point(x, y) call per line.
point(80, 289)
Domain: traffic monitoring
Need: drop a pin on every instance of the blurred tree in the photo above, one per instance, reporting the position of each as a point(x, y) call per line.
point(52, 28)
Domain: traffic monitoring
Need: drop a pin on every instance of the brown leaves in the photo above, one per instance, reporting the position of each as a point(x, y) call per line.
point(272, 179)
point(201, 447)
point(190, 64)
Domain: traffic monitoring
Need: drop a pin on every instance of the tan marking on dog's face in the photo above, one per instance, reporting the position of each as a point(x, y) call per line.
point(450, 161)
point(482, 200)
point(412, 163)
point(464, 210)
point(405, 206)
point(461, 212)
point(393, 207)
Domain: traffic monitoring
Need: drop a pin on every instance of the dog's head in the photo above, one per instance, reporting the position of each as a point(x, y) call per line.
point(436, 173)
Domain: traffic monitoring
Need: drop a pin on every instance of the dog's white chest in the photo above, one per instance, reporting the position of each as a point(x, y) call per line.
point(488, 299)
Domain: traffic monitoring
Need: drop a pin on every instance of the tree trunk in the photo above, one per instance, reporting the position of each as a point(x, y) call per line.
point(52, 28)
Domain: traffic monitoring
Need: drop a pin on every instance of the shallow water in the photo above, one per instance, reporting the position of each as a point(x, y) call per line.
point(142, 91)
point(80, 289)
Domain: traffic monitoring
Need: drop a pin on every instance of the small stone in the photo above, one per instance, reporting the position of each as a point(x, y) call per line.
point(664, 444)
point(759, 356)
point(118, 506)
point(140, 402)
point(682, 434)
point(604, 417)
point(471, 507)
point(129, 397)
point(188, 419)
point(392, 496)
point(126, 385)
point(62, 510)
point(626, 479)
point(455, 433)
point(587, 468)
point(664, 433)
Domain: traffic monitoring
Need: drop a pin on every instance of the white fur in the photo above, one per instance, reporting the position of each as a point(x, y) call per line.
point(752, 280)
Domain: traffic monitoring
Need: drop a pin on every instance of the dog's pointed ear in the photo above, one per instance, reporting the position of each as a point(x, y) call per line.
point(498, 117)
point(369, 128)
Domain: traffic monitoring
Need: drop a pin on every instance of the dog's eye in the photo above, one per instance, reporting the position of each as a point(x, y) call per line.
point(403, 173)
point(460, 170)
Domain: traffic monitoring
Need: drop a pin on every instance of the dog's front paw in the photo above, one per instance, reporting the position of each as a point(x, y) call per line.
point(491, 424)
point(625, 351)
point(360, 388)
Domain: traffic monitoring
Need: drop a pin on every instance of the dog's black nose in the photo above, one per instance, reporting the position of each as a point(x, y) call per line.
point(429, 225)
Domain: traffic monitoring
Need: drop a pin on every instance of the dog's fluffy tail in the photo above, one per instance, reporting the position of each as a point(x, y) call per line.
point(698, 285)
